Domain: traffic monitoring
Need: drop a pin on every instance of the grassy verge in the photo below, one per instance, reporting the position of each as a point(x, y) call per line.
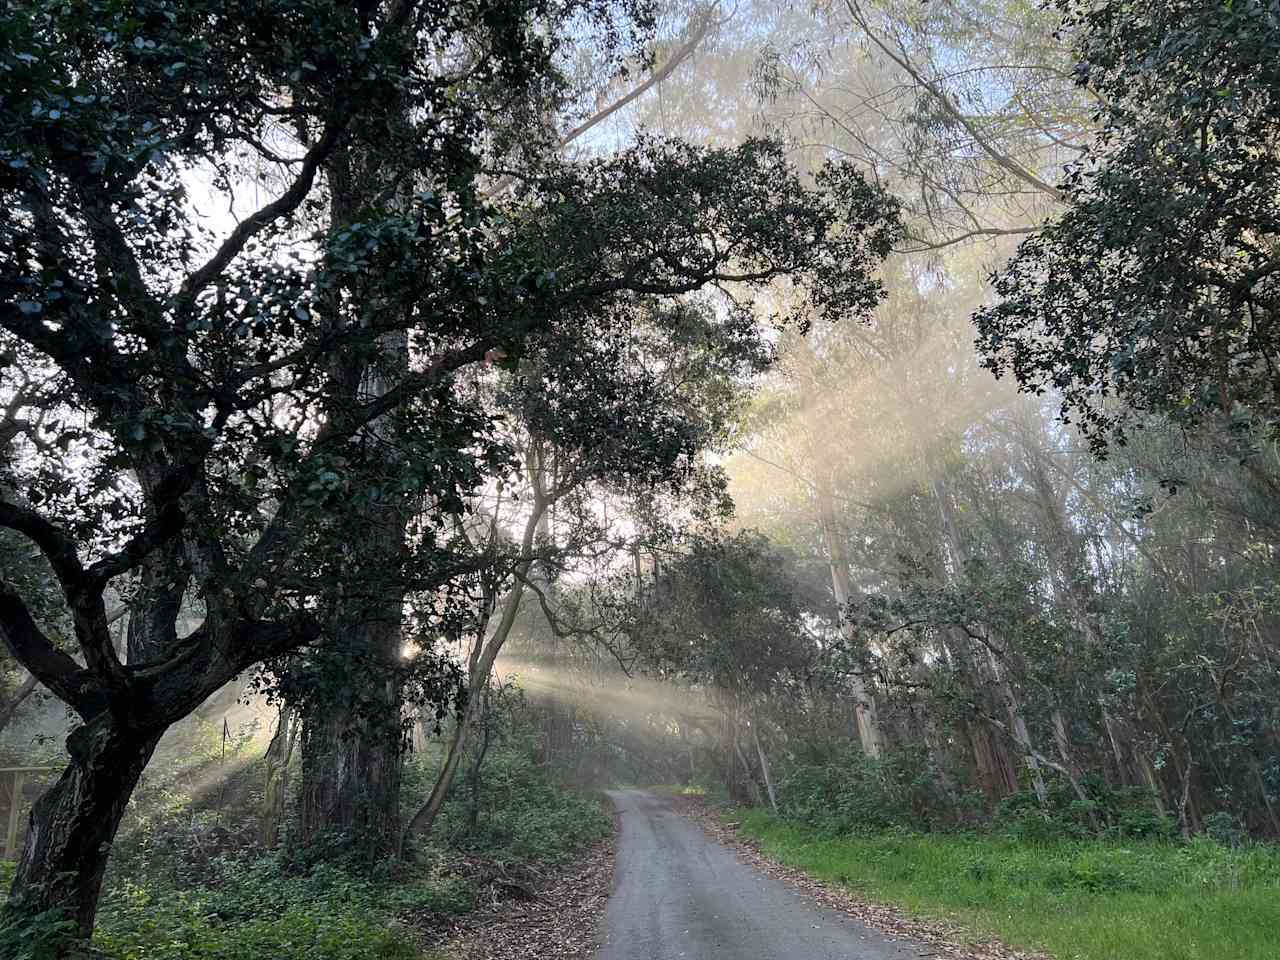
point(1075, 900)
point(678, 789)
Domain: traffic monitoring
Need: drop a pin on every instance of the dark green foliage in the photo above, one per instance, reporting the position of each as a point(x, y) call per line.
point(323, 900)
point(856, 794)
point(730, 613)
point(256, 908)
point(524, 817)
point(1159, 286)
point(27, 934)
point(1124, 813)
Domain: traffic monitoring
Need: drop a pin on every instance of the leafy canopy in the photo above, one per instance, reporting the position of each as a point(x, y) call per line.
point(1160, 284)
point(232, 401)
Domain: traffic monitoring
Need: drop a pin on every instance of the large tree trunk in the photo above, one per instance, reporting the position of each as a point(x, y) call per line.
point(73, 825)
point(351, 755)
point(993, 766)
point(352, 749)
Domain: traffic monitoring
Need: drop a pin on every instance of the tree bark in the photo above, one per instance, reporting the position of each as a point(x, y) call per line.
point(870, 735)
point(473, 777)
point(351, 756)
point(74, 823)
point(993, 768)
point(1069, 766)
point(10, 706)
point(352, 750)
point(1018, 726)
point(279, 753)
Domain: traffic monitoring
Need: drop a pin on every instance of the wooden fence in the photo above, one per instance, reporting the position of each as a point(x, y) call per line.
point(12, 780)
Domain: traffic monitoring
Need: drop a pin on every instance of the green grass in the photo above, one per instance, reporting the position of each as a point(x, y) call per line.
point(1075, 900)
point(678, 789)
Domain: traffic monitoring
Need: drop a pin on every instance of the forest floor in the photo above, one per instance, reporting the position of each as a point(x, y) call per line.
point(557, 917)
point(524, 874)
point(985, 896)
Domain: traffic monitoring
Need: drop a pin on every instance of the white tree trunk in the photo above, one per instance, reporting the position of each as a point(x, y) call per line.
point(870, 733)
point(764, 769)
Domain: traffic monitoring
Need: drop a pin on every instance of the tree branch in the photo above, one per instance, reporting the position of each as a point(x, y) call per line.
point(70, 682)
point(1001, 160)
point(283, 205)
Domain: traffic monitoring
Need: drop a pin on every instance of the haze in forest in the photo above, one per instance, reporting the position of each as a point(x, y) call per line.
point(416, 421)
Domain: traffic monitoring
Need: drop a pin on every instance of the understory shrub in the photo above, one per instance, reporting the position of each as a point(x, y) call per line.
point(321, 901)
point(860, 794)
point(138, 924)
point(523, 815)
point(1119, 813)
point(253, 906)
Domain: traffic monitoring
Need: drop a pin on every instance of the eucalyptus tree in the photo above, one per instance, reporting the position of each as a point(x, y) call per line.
point(732, 616)
point(971, 116)
point(965, 109)
point(204, 438)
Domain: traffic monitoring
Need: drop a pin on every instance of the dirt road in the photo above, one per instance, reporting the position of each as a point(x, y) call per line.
point(679, 896)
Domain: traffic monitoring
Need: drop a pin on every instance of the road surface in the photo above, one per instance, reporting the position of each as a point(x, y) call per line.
point(680, 896)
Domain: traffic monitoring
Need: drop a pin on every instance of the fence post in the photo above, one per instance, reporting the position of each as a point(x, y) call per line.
point(15, 798)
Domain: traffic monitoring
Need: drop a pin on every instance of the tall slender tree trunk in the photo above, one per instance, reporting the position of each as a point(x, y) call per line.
point(764, 768)
point(276, 789)
point(1069, 765)
point(866, 715)
point(473, 775)
point(483, 656)
point(1018, 725)
point(992, 765)
point(425, 817)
